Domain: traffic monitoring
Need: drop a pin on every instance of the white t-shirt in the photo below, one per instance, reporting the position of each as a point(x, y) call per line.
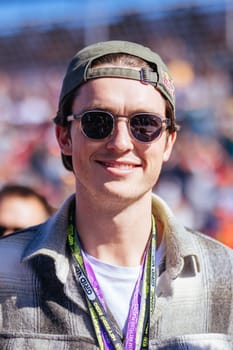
point(117, 284)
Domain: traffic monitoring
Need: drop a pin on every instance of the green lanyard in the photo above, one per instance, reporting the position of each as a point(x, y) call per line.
point(105, 331)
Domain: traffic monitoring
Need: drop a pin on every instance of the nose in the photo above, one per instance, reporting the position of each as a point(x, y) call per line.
point(121, 140)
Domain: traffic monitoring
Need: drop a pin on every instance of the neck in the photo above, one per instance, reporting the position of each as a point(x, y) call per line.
point(118, 238)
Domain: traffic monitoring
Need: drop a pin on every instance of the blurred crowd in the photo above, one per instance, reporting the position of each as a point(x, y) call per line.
point(28, 102)
point(198, 180)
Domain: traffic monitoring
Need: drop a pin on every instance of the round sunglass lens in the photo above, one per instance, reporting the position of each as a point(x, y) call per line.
point(97, 125)
point(146, 128)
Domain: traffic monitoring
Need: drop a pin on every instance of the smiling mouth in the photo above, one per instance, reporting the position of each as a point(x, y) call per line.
point(118, 165)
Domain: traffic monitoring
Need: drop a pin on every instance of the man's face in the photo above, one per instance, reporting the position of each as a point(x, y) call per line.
point(118, 169)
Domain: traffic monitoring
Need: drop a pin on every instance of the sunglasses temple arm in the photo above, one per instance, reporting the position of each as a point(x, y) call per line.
point(168, 122)
point(70, 118)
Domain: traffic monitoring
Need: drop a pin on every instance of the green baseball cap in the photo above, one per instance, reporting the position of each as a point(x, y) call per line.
point(80, 69)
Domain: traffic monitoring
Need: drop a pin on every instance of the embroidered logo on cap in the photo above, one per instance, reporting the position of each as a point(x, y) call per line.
point(168, 83)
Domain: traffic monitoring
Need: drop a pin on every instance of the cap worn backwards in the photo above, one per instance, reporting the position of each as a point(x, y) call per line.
point(80, 68)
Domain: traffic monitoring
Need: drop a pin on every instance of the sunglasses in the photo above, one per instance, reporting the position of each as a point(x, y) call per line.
point(3, 229)
point(99, 125)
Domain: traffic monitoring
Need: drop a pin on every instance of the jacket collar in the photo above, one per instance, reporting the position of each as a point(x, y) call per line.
point(180, 244)
point(50, 239)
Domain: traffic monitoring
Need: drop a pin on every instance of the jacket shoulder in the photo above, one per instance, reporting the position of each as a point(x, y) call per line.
point(209, 241)
point(215, 258)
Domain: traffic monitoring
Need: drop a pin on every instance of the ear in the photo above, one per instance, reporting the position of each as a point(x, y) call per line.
point(64, 140)
point(169, 146)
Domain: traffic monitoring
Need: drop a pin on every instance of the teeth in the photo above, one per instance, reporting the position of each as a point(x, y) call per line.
point(119, 166)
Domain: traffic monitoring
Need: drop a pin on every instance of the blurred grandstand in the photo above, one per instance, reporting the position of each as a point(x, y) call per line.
point(196, 42)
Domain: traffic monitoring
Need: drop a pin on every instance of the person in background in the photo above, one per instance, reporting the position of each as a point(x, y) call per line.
point(20, 207)
point(114, 268)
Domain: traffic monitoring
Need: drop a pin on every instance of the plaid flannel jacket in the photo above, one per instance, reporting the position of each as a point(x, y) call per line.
point(43, 307)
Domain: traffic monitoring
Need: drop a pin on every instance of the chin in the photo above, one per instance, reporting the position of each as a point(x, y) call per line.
point(123, 193)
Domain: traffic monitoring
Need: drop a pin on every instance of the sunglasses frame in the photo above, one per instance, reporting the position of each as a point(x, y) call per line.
point(79, 116)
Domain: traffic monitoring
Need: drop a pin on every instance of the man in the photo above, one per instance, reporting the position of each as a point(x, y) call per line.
point(20, 207)
point(113, 269)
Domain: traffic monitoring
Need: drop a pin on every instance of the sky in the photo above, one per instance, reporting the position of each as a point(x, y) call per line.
point(14, 13)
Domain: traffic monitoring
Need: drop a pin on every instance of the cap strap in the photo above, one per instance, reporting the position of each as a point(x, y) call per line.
point(144, 74)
